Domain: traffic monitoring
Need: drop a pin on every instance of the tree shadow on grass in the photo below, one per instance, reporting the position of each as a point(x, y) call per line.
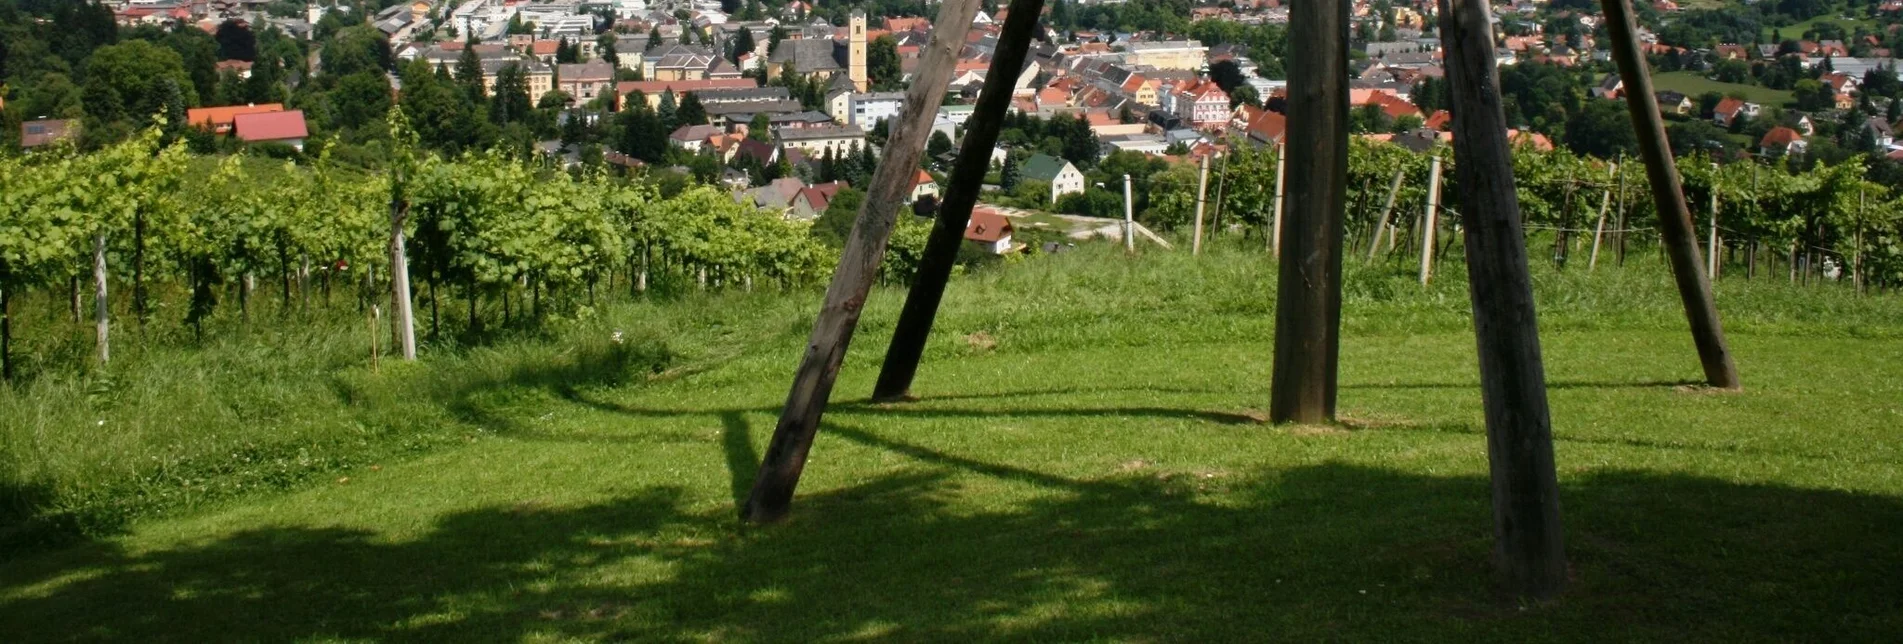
point(935, 552)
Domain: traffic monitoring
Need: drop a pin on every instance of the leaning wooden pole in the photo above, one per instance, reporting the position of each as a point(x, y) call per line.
point(858, 266)
point(948, 231)
point(1387, 210)
point(1308, 288)
point(1675, 218)
point(1202, 199)
point(1599, 230)
point(1528, 551)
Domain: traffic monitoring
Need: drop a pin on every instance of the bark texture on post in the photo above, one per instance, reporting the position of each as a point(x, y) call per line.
point(1528, 551)
point(948, 228)
point(785, 458)
point(400, 312)
point(1202, 199)
point(1308, 289)
point(1675, 218)
point(102, 327)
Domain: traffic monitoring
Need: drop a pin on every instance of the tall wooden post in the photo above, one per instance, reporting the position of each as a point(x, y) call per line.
point(785, 458)
point(1308, 291)
point(1387, 209)
point(1675, 219)
point(1856, 257)
point(1202, 197)
point(102, 312)
point(1528, 551)
point(1430, 220)
point(1599, 229)
point(400, 309)
point(961, 194)
point(1129, 219)
point(1281, 199)
point(1711, 243)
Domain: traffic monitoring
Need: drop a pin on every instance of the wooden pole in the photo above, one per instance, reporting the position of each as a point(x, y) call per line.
point(1387, 209)
point(954, 214)
point(1619, 208)
point(1599, 230)
point(1430, 220)
point(772, 493)
point(400, 313)
point(102, 326)
point(1308, 293)
point(1129, 219)
point(1711, 238)
point(1675, 219)
point(1281, 181)
point(1222, 181)
point(1202, 198)
point(1529, 553)
point(1856, 257)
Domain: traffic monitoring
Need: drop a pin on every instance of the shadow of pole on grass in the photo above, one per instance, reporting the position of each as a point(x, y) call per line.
point(1330, 551)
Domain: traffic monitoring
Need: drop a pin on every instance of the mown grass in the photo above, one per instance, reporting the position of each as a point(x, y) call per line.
point(1694, 84)
point(1093, 471)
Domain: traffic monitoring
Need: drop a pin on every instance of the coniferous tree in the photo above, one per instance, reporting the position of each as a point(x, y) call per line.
point(667, 111)
point(691, 112)
point(469, 73)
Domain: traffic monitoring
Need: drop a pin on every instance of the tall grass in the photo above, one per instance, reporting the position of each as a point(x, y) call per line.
point(177, 422)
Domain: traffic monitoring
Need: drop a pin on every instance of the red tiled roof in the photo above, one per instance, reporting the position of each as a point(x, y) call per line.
point(987, 226)
point(1780, 135)
point(270, 126)
point(219, 119)
point(1440, 120)
point(1728, 107)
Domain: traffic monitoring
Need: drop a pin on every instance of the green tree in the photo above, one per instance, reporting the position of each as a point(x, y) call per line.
point(1009, 175)
point(1603, 130)
point(199, 52)
point(742, 44)
point(360, 99)
point(356, 49)
point(1813, 96)
point(511, 102)
point(691, 112)
point(760, 128)
point(938, 146)
point(134, 71)
point(882, 64)
point(469, 73)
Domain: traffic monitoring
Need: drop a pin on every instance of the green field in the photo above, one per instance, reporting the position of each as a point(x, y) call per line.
point(1086, 463)
point(1693, 84)
point(1796, 31)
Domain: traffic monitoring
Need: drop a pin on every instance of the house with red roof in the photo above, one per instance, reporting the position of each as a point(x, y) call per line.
point(812, 201)
point(990, 230)
point(1732, 110)
point(287, 127)
point(923, 185)
point(1200, 102)
point(218, 120)
point(1782, 140)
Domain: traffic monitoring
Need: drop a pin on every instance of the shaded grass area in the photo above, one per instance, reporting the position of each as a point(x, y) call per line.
point(1096, 472)
point(1049, 497)
point(1694, 84)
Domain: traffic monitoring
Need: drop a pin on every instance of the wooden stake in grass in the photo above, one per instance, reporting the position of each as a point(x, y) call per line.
point(1387, 209)
point(772, 492)
point(102, 327)
point(1202, 194)
point(1675, 219)
point(1528, 551)
point(961, 194)
point(1129, 219)
point(1599, 230)
point(1281, 182)
point(1430, 220)
point(1308, 289)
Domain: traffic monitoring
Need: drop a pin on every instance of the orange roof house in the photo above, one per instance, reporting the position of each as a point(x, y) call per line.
point(219, 120)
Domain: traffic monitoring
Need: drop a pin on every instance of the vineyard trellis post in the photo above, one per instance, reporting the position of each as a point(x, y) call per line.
point(1302, 384)
point(1599, 229)
point(1202, 195)
point(1711, 239)
point(102, 326)
point(1675, 223)
point(954, 213)
point(400, 310)
point(1430, 219)
point(1281, 198)
point(779, 474)
point(1387, 210)
point(1129, 219)
point(1529, 554)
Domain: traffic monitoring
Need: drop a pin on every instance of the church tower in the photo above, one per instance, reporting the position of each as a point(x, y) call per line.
point(856, 50)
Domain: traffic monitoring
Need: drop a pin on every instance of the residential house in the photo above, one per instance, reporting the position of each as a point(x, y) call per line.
point(818, 141)
point(1609, 87)
point(866, 110)
point(585, 81)
point(990, 230)
point(1671, 102)
point(34, 134)
point(692, 138)
point(218, 120)
point(812, 201)
point(1063, 177)
point(1201, 102)
point(1733, 110)
point(923, 185)
point(1782, 140)
point(541, 78)
point(1885, 134)
point(285, 127)
point(653, 89)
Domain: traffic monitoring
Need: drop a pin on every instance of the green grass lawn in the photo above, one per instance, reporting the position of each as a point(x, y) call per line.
point(1099, 474)
point(1694, 84)
point(1796, 31)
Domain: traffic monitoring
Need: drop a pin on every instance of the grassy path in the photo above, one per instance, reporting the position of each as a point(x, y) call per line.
point(1117, 493)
